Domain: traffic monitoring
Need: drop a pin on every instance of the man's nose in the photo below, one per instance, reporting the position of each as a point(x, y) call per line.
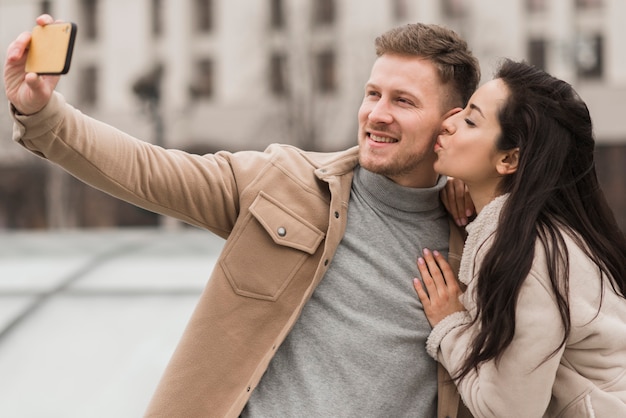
point(381, 112)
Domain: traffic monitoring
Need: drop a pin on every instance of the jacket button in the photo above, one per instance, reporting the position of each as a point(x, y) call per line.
point(337, 215)
point(281, 232)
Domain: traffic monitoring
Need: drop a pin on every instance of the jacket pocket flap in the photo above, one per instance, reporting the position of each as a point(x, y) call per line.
point(284, 226)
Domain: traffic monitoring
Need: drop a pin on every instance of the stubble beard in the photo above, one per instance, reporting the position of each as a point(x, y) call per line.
point(390, 167)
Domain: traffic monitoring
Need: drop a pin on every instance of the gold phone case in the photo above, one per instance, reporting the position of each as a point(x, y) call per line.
point(51, 47)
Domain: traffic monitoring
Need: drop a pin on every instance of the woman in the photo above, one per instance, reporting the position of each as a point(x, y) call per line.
point(541, 327)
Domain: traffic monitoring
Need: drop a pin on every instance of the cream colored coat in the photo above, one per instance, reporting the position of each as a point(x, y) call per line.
point(283, 213)
point(584, 379)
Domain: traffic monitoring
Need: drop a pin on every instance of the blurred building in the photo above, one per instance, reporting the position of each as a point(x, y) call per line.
point(204, 75)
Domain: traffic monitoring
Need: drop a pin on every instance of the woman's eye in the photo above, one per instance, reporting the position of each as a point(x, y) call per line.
point(469, 122)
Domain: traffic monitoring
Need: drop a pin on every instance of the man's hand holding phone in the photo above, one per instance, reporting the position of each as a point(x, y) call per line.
point(28, 91)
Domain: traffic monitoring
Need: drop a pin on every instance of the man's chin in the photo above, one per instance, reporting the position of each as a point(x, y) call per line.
point(368, 158)
point(373, 166)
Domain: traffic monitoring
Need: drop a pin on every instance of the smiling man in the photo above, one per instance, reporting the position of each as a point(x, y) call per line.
point(310, 310)
point(400, 117)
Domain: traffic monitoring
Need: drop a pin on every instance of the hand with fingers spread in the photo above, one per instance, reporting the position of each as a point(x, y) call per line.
point(440, 292)
point(457, 200)
point(27, 92)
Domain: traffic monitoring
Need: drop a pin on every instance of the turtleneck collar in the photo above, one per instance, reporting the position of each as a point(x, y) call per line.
point(387, 193)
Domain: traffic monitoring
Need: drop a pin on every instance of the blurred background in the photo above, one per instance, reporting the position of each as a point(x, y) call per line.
point(94, 293)
point(205, 75)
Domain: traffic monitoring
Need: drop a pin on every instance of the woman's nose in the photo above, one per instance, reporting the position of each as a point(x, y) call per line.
point(447, 127)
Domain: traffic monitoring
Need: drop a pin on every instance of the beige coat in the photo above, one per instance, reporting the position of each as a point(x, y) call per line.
point(283, 213)
point(584, 379)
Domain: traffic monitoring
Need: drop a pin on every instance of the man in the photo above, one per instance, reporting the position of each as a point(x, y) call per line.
point(310, 310)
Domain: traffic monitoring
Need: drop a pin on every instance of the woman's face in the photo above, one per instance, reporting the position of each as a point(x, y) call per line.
point(466, 148)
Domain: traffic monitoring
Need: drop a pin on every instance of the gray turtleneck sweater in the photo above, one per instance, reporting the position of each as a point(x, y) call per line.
point(358, 349)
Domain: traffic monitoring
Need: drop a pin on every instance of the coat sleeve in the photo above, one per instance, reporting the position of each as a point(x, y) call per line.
point(200, 190)
point(520, 383)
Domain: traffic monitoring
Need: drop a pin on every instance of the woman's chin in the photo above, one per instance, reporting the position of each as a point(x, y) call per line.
point(440, 168)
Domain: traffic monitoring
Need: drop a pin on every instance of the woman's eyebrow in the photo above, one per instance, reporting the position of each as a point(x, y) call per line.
point(475, 107)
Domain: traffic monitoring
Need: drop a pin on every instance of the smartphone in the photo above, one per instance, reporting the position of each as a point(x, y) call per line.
point(51, 47)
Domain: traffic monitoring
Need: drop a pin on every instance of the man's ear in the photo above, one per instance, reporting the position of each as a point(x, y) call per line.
point(508, 162)
point(451, 112)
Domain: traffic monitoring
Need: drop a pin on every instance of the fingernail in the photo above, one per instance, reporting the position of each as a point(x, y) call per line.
point(468, 213)
point(436, 253)
point(420, 260)
point(426, 251)
point(459, 222)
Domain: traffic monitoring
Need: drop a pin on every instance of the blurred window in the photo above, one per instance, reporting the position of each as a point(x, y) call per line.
point(202, 85)
point(157, 17)
point(590, 56)
point(324, 12)
point(534, 6)
point(203, 14)
point(278, 73)
point(454, 8)
point(326, 72)
point(277, 14)
point(45, 7)
point(589, 4)
point(88, 86)
point(400, 9)
point(537, 53)
point(89, 22)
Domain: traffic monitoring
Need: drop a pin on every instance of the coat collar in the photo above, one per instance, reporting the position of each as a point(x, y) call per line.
point(479, 230)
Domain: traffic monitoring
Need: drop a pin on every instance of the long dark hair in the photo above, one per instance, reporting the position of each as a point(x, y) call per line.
point(554, 191)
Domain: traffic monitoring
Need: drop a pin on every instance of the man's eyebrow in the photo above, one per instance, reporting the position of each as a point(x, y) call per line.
point(475, 107)
point(371, 84)
point(405, 93)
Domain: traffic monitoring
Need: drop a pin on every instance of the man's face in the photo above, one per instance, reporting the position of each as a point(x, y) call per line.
point(400, 118)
